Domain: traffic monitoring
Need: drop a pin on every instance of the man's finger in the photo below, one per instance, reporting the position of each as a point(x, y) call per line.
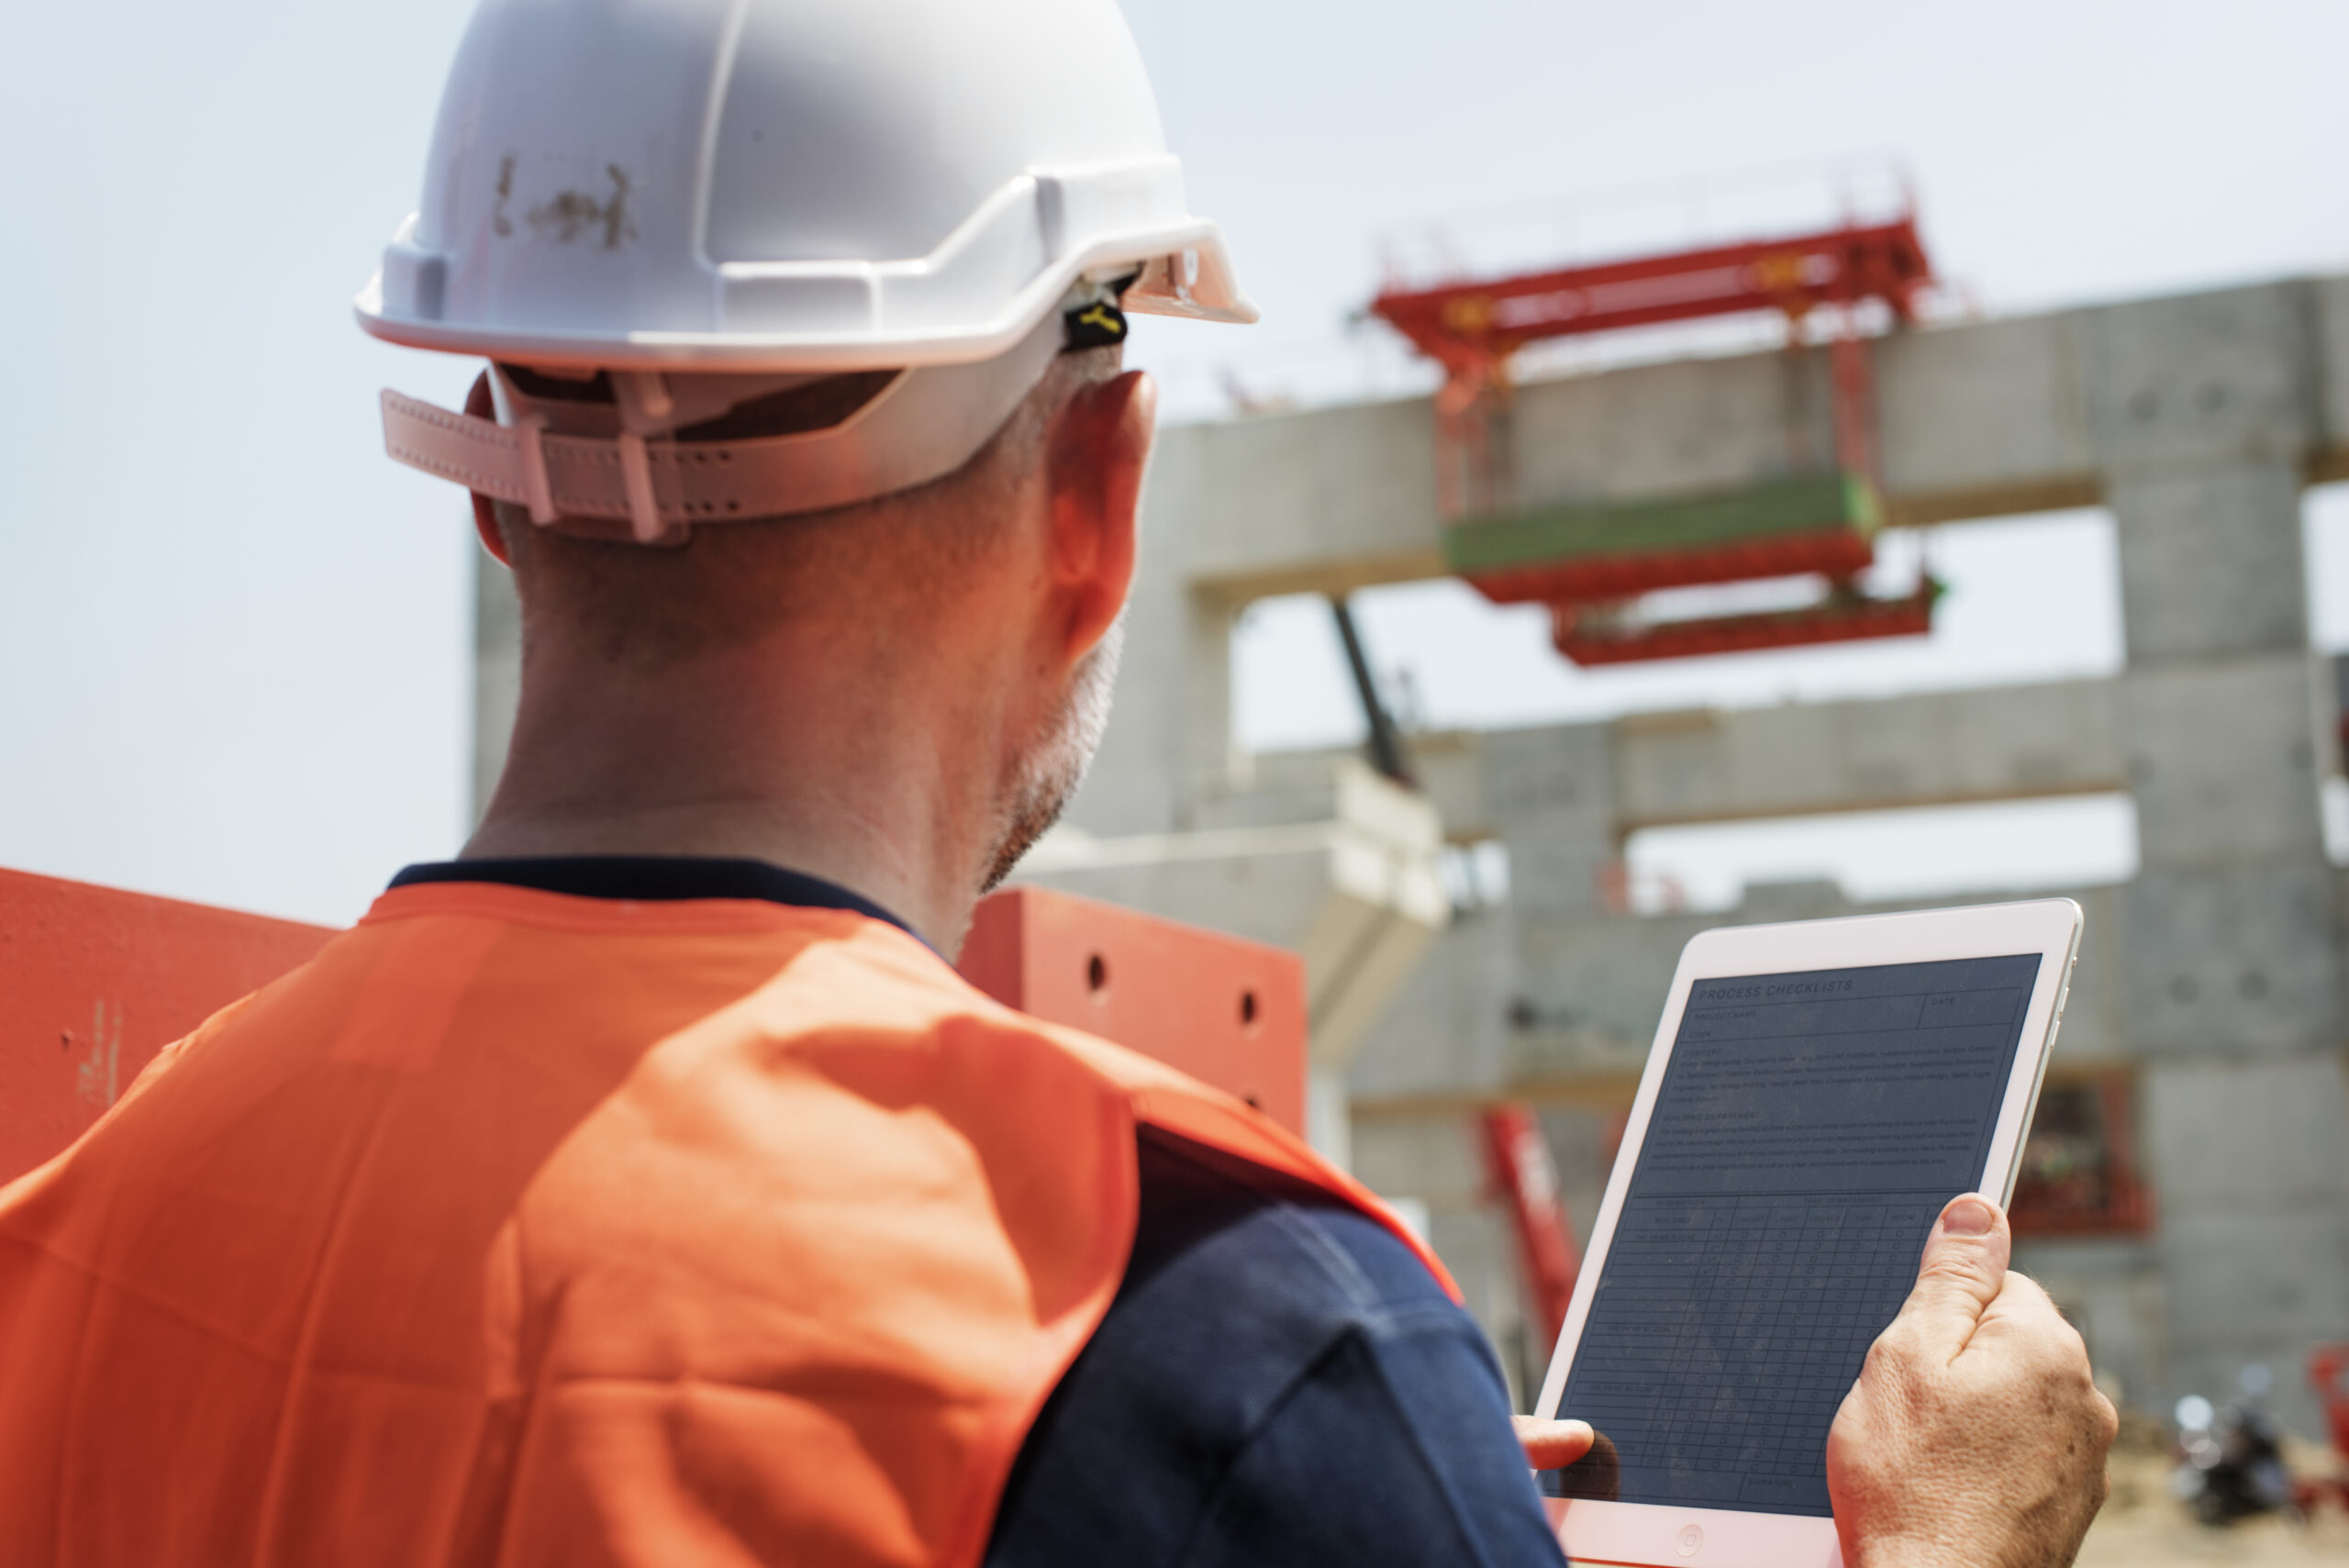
point(1550, 1445)
point(1960, 1275)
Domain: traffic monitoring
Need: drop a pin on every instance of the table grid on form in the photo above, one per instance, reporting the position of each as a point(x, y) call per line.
point(1740, 1322)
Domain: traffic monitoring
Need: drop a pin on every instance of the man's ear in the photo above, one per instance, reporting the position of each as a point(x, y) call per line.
point(479, 404)
point(1100, 446)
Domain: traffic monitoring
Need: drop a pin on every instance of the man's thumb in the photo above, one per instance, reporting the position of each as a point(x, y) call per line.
point(1962, 1270)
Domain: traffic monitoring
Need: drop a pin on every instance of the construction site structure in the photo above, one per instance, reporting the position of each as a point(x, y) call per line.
point(2200, 1184)
point(1588, 558)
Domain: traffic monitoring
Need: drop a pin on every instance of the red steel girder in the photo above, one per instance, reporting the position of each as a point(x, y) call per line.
point(1843, 618)
point(1519, 1167)
point(1470, 327)
point(1833, 553)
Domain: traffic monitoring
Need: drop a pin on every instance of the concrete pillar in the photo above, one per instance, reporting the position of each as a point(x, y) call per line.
point(1553, 798)
point(1328, 1116)
point(2250, 1151)
point(1170, 730)
point(1445, 1031)
point(2202, 413)
point(2211, 560)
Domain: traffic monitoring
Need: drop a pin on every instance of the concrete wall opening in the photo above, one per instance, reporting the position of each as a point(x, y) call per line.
point(2018, 846)
point(2324, 535)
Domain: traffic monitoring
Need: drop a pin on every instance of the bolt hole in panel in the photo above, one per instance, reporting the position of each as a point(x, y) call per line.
point(93, 981)
point(1229, 1012)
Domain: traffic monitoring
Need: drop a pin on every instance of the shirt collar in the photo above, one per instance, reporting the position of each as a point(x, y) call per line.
point(655, 879)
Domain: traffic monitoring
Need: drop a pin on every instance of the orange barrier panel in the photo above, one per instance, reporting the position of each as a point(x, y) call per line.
point(93, 981)
point(1229, 1012)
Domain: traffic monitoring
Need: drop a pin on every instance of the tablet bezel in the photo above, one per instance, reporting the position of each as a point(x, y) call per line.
point(1647, 1533)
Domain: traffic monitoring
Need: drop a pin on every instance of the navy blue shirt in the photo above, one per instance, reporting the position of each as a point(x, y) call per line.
point(1278, 1381)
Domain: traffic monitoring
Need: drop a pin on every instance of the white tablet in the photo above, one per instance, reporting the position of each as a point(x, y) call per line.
point(1816, 1093)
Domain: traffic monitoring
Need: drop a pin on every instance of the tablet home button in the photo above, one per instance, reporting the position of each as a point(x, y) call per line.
point(1691, 1539)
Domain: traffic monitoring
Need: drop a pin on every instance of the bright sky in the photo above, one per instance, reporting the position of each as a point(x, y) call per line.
point(234, 638)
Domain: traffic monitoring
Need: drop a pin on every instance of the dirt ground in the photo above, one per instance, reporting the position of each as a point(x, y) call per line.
point(2144, 1527)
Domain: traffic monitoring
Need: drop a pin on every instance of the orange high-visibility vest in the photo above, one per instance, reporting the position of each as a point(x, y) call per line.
point(522, 1228)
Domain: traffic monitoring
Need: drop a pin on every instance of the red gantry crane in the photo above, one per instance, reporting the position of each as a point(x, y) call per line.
point(1585, 559)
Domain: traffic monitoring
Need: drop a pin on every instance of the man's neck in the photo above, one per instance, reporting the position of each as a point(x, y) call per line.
point(621, 764)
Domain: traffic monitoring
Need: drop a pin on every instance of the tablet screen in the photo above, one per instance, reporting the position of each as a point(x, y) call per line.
point(1808, 1128)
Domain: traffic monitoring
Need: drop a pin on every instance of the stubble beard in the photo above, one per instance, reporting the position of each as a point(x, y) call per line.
point(1054, 766)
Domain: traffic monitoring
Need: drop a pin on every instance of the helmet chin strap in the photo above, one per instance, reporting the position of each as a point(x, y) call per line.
point(614, 470)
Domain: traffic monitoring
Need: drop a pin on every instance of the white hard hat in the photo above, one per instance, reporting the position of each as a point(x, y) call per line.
point(752, 193)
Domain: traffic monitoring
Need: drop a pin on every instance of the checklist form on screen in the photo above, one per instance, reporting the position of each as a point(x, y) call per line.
point(1807, 1132)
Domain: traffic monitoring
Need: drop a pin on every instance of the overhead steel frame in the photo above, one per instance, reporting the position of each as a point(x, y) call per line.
point(1578, 558)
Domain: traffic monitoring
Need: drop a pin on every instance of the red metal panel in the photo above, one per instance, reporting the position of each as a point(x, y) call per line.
point(2329, 1376)
point(94, 981)
point(1838, 619)
point(1229, 1012)
point(1834, 552)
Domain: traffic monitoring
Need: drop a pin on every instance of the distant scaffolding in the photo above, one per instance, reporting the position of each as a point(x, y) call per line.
point(1588, 560)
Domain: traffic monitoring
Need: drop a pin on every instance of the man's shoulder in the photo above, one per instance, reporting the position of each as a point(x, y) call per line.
point(1244, 1287)
point(1283, 1243)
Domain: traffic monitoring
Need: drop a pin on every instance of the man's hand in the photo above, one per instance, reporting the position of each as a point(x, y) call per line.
point(1551, 1445)
point(1973, 1436)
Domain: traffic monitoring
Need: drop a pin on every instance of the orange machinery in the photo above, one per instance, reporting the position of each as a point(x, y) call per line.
point(94, 981)
point(1585, 559)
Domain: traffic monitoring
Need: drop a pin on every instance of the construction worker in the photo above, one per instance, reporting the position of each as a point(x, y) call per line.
point(644, 1186)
